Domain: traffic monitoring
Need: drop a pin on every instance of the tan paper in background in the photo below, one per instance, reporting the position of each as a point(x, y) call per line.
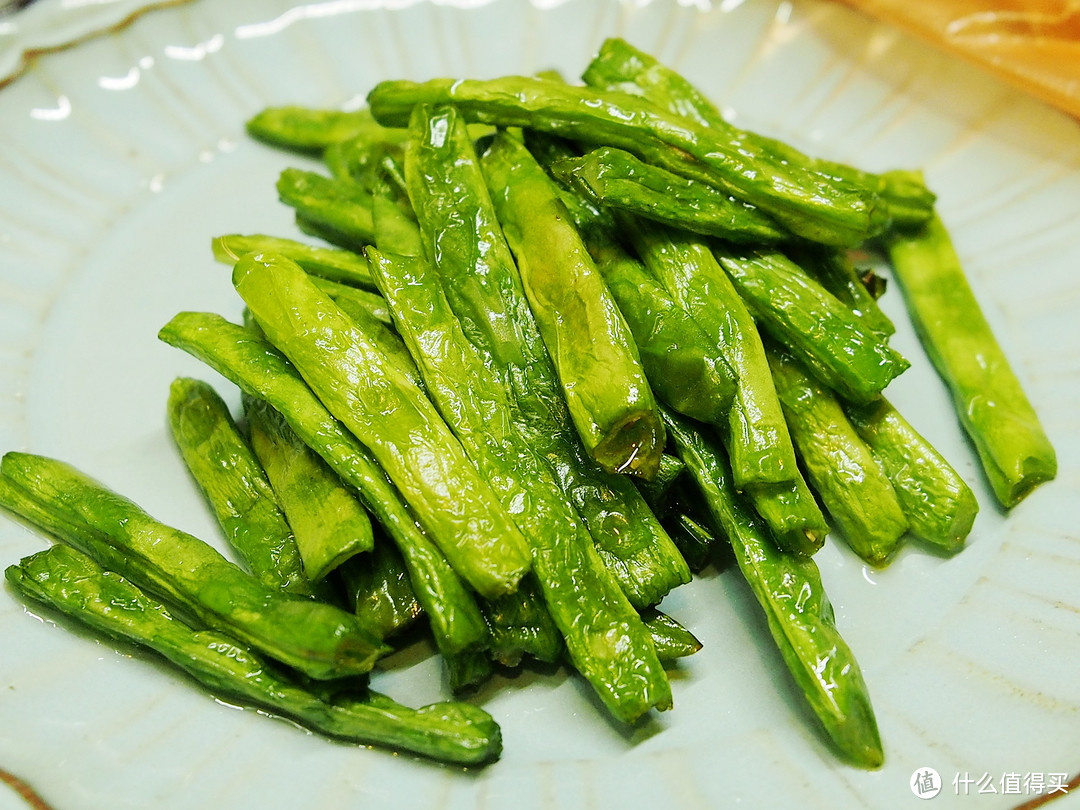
point(1035, 44)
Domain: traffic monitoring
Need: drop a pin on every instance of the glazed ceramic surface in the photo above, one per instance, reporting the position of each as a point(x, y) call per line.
point(122, 156)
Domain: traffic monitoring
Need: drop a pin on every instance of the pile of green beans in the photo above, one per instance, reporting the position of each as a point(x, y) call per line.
point(559, 347)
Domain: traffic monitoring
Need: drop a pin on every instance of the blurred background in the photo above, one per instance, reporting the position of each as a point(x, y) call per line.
point(1033, 44)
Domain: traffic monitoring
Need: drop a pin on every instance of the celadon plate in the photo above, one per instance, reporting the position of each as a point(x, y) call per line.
point(122, 157)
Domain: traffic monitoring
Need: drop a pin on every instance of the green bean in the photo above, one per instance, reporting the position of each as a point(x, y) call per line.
point(261, 371)
point(333, 264)
point(462, 237)
point(1015, 452)
point(310, 130)
point(467, 670)
point(757, 435)
point(482, 286)
point(753, 429)
point(316, 638)
point(685, 368)
point(356, 301)
point(360, 386)
point(792, 514)
point(833, 343)
point(938, 503)
point(609, 397)
point(378, 588)
point(788, 588)
point(337, 210)
point(605, 641)
point(695, 540)
point(629, 537)
point(616, 179)
point(671, 639)
point(362, 158)
point(372, 315)
point(346, 239)
point(396, 228)
point(835, 271)
point(619, 65)
point(235, 486)
point(658, 491)
point(855, 490)
point(369, 310)
point(809, 204)
point(327, 520)
point(520, 624)
point(72, 583)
